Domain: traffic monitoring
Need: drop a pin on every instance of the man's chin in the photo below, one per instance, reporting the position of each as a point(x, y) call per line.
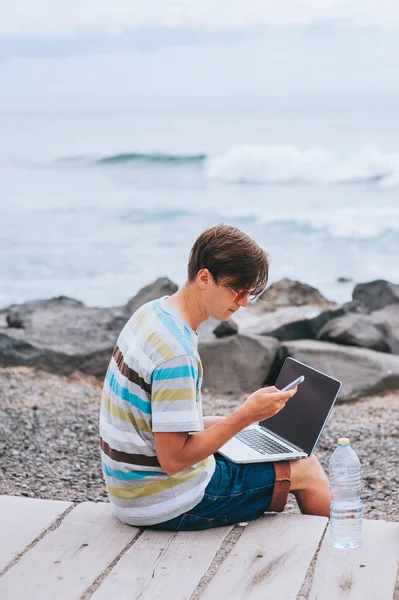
point(225, 316)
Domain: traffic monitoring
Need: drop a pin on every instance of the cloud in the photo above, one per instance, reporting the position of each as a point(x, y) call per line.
point(39, 18)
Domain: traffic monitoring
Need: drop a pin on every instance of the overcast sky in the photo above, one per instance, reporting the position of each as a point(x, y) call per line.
point(125, 48)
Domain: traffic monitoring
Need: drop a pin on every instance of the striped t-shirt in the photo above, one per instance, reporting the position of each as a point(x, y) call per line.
point(153, 384)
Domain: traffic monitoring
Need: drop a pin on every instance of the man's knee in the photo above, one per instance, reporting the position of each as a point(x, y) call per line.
point(306, 473)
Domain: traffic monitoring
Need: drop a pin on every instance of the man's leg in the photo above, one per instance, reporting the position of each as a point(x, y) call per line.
point(308, 482)
point(310, 486)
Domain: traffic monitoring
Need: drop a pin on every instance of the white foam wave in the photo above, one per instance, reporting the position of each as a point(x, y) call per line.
point(288, 164)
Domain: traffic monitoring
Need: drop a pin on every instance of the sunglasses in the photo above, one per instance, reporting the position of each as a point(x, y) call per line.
point(241, 294)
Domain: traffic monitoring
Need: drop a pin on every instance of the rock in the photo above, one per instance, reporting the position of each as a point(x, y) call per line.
point(253, 320)
point(308, 329)
point(63, 335)
point(360, 330)
point(205, 330)
point(292, 293)
point(226, 328)
point(161, 287)
point(304, 328)
point(363, 372)
point(356, 306)
point(377, 294)
point(15, 320)
point(389, 314)
point(238, 363)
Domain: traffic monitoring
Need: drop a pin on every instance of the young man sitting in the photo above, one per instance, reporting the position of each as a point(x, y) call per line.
point(158, 452)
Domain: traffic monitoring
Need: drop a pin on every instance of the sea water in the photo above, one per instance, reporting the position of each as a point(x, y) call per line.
point(97, 201)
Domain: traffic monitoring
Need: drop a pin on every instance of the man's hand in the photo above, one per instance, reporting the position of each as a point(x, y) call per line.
point(177, 451)
point(265, 403)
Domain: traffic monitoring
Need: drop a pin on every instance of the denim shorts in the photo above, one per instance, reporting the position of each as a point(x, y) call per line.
point(235, 493)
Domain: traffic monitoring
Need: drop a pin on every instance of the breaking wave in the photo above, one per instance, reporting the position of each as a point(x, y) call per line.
point(288, 164)
point(269, 165)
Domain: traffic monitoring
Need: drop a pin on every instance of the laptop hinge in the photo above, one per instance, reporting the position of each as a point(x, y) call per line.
point(282, 439)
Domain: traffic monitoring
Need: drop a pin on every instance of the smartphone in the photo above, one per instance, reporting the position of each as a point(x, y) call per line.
point(293, 384)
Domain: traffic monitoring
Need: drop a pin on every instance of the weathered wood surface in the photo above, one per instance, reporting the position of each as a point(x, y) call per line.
point(270, 560)
point(163, 565)
point(66, 561)
point(367, 573)
point(22, 520)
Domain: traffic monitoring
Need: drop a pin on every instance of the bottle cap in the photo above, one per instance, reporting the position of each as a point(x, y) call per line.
point(344, 441)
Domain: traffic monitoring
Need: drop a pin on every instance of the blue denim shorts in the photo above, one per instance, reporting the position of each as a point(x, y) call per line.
point(235, 493)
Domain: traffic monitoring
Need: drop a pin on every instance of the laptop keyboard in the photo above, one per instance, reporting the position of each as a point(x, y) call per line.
point(260, 443)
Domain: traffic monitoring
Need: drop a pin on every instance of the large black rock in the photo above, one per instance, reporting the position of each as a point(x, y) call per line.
point(226, 329)
point(308, 329)
point(377, 294)
point(287, 292)
point(63, 335)
point(362, 331)
point(237, 364)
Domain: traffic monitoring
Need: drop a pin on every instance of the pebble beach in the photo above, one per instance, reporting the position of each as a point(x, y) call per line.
point(49, 439)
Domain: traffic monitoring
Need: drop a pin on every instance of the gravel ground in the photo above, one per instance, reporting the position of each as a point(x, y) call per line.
point(49, 439)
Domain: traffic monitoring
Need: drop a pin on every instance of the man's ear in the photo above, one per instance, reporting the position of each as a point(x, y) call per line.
point(204, 279)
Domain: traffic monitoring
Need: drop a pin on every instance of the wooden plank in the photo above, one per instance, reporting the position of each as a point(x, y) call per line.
point(22, 520)
point(366, 573)
point(66, 561)
point(270, 560)
point(162, 565)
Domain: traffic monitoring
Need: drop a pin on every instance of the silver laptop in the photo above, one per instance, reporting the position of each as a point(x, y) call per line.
point(295, 431)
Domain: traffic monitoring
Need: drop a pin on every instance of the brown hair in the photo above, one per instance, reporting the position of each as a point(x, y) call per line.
point(229, 253)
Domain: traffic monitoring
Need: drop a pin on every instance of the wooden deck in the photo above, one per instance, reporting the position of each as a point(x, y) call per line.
point(55, 550)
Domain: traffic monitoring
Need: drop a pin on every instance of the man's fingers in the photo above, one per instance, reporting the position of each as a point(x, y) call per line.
point(285, 396)
point(278, 394)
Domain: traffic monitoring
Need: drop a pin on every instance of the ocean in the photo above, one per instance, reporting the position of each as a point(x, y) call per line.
point(97, 201)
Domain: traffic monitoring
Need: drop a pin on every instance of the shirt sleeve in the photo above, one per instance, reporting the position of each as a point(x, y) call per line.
point(174, 397)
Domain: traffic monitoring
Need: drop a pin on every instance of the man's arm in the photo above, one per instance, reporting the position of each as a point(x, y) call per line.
point(180, 450)
point(210, 421)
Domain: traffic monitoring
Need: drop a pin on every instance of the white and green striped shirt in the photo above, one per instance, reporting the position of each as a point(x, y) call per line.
point(153, 384)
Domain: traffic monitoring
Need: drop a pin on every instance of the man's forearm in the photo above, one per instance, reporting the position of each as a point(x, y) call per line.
point(210, 421)
point(201, 444)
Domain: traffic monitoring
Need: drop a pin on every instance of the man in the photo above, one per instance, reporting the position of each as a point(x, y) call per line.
point(157, 449)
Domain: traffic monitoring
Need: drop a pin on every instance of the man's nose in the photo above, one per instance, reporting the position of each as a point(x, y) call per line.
point(244, 301)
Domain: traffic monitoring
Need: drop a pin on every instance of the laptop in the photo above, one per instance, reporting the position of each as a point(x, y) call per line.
point(295, 431)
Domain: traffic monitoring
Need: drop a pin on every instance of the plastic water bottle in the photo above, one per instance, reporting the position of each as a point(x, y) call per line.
point(346, 505)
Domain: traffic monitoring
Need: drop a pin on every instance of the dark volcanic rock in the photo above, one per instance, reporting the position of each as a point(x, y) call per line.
point(308, 329)
point(360, 330)
point(61, 339)
point(226, 328)
point(389, 314)
point(15, 320)
point(305, 328)
point(292, 293)
point(205, 330)
point(63, 335)
point(238, 363)
point(377, 294)
point(161, 287)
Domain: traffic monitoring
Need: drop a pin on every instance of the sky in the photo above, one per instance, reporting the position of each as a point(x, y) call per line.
point(86, 49)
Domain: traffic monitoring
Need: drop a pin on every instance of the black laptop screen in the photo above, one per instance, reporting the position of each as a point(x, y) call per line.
point(302, 419)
